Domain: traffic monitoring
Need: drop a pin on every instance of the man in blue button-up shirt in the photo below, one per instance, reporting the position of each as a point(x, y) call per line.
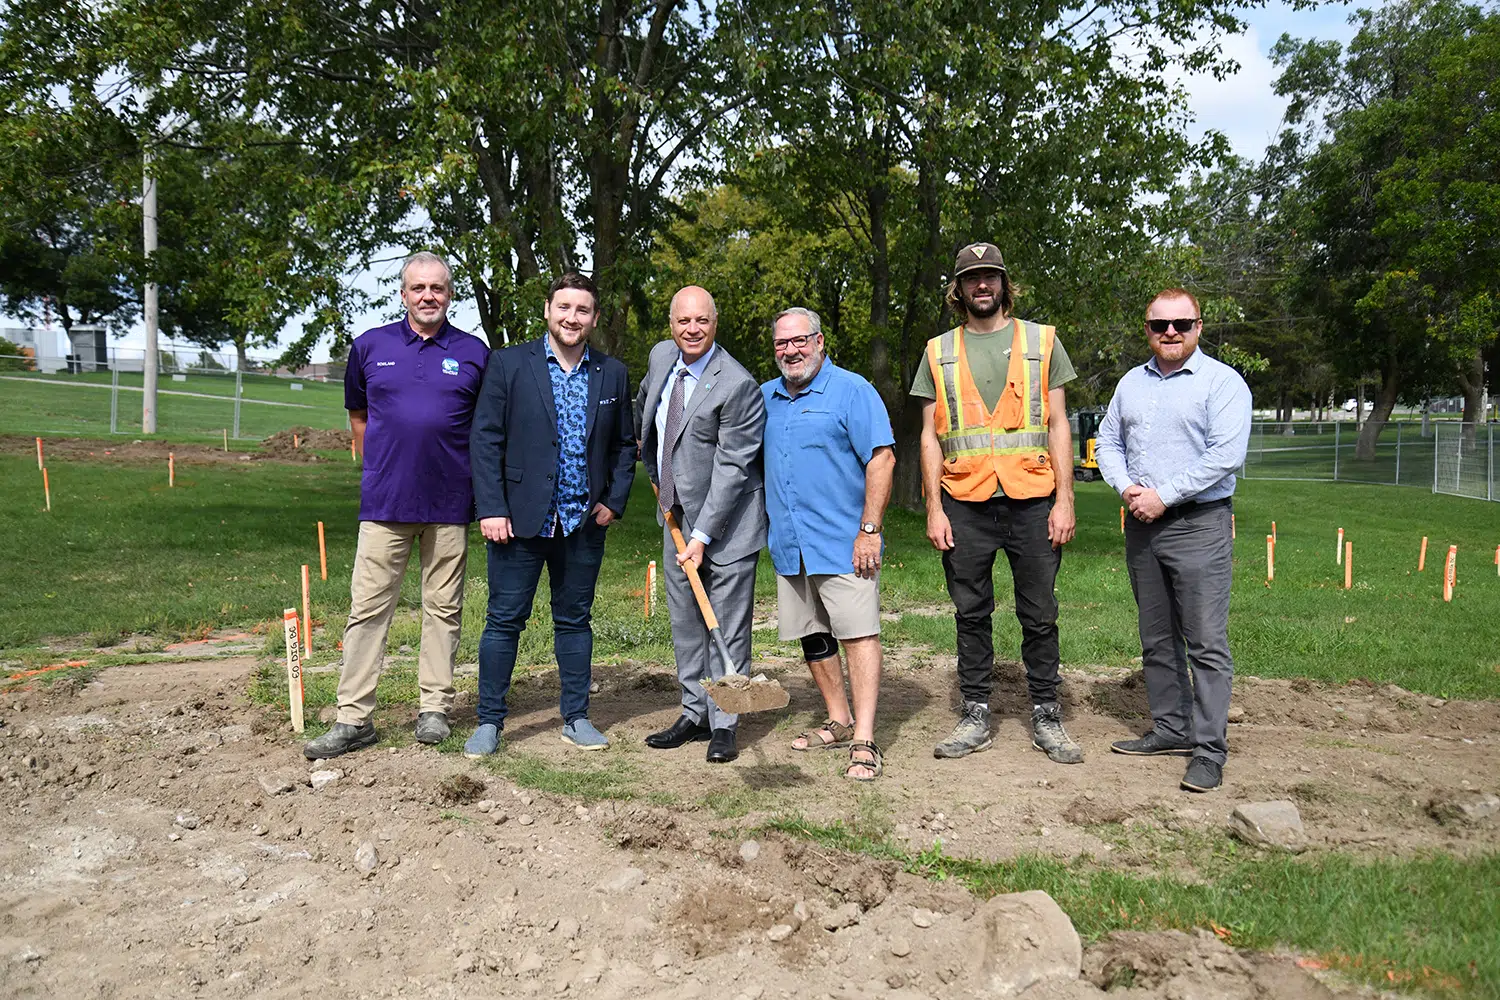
point(410, 389)
point(829, 466)
point(1175, 433)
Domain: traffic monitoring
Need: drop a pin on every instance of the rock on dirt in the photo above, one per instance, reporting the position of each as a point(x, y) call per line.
point(275, 784)
point(322, 779)
point(749, 851)
point(1275, 824)
point(1024, 938)
point(366, 858)
point(1455, 808)
point(623, 880)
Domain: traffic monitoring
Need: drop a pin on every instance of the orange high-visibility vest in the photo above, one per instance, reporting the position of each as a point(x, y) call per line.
point(1008, 446)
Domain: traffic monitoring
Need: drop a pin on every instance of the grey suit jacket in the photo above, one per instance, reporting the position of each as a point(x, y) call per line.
point(716, 462)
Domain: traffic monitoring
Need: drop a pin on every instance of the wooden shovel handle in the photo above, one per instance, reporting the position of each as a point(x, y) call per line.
point(709, 618)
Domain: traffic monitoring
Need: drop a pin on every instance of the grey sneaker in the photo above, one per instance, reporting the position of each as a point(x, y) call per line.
point(971, 735)
point(483, 741)
point(1049, 736)
point(582, 734)
point(1203, 775)
point(340, 740)
point(432, 728)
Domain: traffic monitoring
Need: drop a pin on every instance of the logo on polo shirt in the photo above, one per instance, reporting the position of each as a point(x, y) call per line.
point(385, 364)
point(450, 366)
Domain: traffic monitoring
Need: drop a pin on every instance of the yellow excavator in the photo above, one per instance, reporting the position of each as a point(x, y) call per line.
point(1086, 470)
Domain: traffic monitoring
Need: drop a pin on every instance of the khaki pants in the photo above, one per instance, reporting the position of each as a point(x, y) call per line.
point(379, 566)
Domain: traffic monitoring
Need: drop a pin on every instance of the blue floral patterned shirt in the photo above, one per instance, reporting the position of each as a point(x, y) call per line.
point(570, 395)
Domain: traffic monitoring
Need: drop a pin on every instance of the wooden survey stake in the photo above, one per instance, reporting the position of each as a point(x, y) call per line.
point(1232, 532)
point(1422, 556)
point(306, 612)
point(1348, 565)
point(293, 667)
point(650, 587)
point(46, 489)
point(322, 552)
point(171, 469)
point(1450, 573)
point(1270, 559)
point(1122, 520)
point(39, 463)
point(1338, 550)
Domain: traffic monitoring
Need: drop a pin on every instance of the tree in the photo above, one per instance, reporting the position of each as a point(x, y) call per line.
point(1398, 201)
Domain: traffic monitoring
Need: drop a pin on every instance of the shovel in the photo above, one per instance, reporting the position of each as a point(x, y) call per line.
point(736, 693)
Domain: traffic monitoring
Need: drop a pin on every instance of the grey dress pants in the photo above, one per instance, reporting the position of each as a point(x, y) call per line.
point(1181, 567)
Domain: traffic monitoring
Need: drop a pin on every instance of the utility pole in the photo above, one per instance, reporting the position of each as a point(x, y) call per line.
point(148, 233)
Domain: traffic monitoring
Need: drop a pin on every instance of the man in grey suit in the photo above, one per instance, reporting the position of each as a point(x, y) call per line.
point(702, 419)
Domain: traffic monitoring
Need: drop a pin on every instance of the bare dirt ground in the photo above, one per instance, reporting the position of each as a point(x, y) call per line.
point(161, 837)
point(282, 446)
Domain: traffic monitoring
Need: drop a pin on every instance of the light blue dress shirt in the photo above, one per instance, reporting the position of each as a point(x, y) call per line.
point(817, 446)
point(695, 373)
point(1182, 434)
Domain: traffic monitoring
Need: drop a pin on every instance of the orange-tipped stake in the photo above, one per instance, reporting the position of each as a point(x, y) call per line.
point(1273, 531)
point(1122, 520)
point(1497, 560)
point(293, 667)
point(306, 613)
point(1348, 565)
point(1450, 573)
point(296, 441)
point(352, 456)
point(322, 552)
point(226, 439)
point(1338, 550)
point(39, 463)
point(1232, 532)
point(650, 587)
point(46, 489)
point(1422, 556)
point(171, 469)
point(1270, 558)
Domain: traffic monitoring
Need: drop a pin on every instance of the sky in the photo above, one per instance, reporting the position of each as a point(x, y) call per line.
point(1242, 107)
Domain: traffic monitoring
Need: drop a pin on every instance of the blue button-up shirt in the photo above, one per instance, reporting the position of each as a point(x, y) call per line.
point(570, 395)
point(420, 395)
point(1182, 434)
point(817, 446)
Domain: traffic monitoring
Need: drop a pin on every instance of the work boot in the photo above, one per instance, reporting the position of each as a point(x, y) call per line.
point(340, 740)
point(1049, 736)
point(971, 735)
point(432, 728)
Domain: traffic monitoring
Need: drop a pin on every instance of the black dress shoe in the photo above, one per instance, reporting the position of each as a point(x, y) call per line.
point(684, 730)
point(1152, 745)
point(721, 748)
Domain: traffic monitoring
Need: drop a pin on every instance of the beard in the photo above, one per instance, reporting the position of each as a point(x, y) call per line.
point(808, 372)
point(980, 312)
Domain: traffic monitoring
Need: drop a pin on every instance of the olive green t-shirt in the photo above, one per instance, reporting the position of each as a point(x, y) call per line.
point(989, 362)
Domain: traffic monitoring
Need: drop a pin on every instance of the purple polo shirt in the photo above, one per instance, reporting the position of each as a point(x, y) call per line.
point(420, 395)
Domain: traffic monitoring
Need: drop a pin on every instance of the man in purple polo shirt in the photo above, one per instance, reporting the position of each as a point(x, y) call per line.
point(410, 390)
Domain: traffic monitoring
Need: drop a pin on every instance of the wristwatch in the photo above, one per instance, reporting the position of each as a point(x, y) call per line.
point(870, 528)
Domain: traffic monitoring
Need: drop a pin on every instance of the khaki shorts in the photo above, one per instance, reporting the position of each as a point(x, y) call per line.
point(845, 604)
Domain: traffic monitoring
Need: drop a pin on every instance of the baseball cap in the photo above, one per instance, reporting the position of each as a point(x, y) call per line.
point(978, 257)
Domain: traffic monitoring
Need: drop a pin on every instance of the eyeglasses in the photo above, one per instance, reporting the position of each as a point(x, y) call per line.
point(795, 343)
point(1180, 325)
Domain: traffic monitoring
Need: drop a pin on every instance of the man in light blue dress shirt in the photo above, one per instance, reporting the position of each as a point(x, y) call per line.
point(1176, 431)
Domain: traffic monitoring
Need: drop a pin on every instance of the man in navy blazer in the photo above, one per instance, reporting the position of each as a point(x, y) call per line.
point(553, 454)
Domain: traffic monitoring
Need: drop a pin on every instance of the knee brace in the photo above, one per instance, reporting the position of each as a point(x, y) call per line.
point(819, 646)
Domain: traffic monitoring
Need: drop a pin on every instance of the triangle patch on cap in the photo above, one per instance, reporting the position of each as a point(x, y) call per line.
point(978, 252)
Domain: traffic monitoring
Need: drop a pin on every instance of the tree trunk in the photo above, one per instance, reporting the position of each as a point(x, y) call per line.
point(1369, 433)
point(241, 362)
point(1471, 381)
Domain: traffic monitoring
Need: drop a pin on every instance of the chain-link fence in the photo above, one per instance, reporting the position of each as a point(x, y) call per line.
point(203, 402)
point(1401, 455)
point(1465, 461)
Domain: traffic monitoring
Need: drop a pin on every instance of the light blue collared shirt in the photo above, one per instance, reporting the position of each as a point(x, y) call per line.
point(1182, 434)
point(695, 372)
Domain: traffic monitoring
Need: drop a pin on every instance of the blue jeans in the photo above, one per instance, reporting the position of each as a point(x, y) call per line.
point(515, 569)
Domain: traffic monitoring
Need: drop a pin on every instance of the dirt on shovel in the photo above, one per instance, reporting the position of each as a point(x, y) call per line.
point(737, 694)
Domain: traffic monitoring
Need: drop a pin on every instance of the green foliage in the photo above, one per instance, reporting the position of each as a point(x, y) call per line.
point(11, 359)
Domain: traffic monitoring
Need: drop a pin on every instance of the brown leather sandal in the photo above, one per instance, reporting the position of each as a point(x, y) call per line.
point(840, 732)
point(876, 761)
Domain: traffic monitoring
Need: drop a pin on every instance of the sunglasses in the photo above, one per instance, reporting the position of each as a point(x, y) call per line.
point(1180, 325)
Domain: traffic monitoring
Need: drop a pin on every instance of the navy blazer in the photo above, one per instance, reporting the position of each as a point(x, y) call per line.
point(513, 443)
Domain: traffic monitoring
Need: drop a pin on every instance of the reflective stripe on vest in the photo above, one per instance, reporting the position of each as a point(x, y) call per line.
point(964, 440)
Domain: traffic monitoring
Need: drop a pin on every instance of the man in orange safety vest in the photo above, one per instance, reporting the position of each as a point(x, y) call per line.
point(997, 472)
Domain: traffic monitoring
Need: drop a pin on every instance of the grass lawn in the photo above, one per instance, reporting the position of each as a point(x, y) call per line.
point(121, 553)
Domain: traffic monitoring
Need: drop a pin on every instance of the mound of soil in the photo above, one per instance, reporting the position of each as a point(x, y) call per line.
point(297, 444)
